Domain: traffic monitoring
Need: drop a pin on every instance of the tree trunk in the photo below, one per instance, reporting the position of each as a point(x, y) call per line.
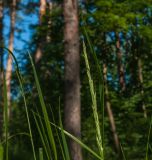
point(9, 61)
point(72, 109)
point(42, 12)
point(120, 65)
point(140, 76)
point(1, 67)
point(109, 111)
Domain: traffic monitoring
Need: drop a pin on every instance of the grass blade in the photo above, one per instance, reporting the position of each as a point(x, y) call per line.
point(43, 138)
point(44, 111)
point(24, 99)
point(122, 151)
point(41, 153)
point(76, 140)
point(5, 117)
point(27, 113)
point(94, 104)
point(101, 81)
point(66, 150)
point(1, 152)
point(148, 139)
point(62, 150)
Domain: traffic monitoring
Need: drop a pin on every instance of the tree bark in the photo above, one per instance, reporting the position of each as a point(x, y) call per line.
point(109, 110)
point(72, 109)
point(9, 61)
point(1, 67)
point(136, 71)
point(42, 12)
point(140, 76)
point(120, 65)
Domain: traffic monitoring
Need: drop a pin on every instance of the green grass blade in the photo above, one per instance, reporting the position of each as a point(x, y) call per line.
point(60, 144)
point(148, 139)
point(22, 93)
point(44, 135)
point(76, 140)
point(27, 113)
point(101, 81)
point(43, 138)
point(41, 153)
point(66, 150)
point(79, 142)
point(5, 117)
point(82, 145)
point(15, 135)
point(44, 111)
point(1, 152)
point(122, 151)
point(94, 104)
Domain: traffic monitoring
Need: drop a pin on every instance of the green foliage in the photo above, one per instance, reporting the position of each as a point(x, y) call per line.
point(1, 152)
point(102, 19)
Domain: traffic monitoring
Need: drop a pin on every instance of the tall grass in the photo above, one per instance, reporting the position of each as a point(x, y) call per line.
point(6, 107)
point(94, 104)
point(44, 126)
point(100, 76)
point(62, 131)
point(44, 111)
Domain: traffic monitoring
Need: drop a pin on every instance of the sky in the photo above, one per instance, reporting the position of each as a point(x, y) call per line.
point(23, 31)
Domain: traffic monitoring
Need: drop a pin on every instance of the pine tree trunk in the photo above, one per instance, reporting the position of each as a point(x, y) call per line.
point(42, 12)
point(72, 110)
point(140, 76)
point(9, 61)
point(1, 67)
point(120, 65)
point(109, 111)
